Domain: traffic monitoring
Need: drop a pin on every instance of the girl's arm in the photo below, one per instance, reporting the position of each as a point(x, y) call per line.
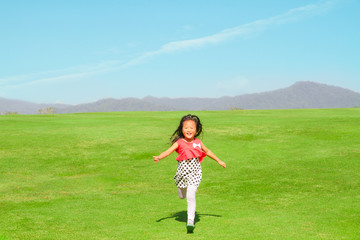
point(212, 155)
point(166, 153)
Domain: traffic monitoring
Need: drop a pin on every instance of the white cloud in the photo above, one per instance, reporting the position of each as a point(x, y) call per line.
point(294, 14)
point(57, 75)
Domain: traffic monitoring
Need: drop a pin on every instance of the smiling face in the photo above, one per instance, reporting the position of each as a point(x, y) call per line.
point(189, 130)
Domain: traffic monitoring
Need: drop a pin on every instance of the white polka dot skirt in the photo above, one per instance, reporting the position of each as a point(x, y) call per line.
point(188, 173)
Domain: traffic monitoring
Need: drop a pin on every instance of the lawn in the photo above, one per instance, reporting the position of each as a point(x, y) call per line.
point(291, 174)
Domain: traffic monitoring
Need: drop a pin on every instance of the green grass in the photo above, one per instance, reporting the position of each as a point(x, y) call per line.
point(292, 174)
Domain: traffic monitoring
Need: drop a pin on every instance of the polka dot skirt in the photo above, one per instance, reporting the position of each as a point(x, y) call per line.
point(188, 173)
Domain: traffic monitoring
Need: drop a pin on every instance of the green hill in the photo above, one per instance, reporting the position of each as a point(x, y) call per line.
point(291, 174)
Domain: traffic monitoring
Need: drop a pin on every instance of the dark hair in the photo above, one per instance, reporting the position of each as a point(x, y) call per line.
point(178, 132)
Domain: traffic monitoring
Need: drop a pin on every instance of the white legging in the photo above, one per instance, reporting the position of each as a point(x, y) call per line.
point(189, 193)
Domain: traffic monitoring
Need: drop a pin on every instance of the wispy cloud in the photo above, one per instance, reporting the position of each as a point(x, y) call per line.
point(57, 75)
point(292, 15)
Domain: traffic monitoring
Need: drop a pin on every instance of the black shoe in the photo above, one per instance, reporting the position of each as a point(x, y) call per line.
point(190, 228)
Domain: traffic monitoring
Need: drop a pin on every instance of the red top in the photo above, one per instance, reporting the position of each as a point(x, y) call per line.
point(189, 150)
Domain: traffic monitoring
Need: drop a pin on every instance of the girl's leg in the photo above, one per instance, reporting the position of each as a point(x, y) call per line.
point(191, 203)
point(182, 192)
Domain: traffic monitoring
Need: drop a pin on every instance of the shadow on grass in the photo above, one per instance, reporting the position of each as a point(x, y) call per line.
point(182, 216)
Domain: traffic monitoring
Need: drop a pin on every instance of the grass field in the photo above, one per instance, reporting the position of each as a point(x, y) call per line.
point(291, 174)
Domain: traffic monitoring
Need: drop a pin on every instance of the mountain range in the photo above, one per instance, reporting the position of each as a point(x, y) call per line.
point(298, 95)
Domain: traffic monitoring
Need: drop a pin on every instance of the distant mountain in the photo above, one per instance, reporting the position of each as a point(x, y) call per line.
point(299, 95)
point(302, 95)
point(23, 107)
point(116, 105)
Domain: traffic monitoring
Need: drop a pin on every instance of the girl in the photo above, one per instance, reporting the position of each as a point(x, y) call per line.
point(191, 153)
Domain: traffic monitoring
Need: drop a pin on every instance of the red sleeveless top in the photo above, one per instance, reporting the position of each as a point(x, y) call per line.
point(189, 150)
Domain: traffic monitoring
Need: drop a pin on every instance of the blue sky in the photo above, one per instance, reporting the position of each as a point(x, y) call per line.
point(82, 51)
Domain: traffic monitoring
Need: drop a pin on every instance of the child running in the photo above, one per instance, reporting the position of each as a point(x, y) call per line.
point(191, 153)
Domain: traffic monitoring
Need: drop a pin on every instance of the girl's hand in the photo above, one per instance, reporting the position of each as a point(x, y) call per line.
point(156, 159)
point(221, 163)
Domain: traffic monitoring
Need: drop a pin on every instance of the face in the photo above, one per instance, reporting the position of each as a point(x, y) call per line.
point(189, 130)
